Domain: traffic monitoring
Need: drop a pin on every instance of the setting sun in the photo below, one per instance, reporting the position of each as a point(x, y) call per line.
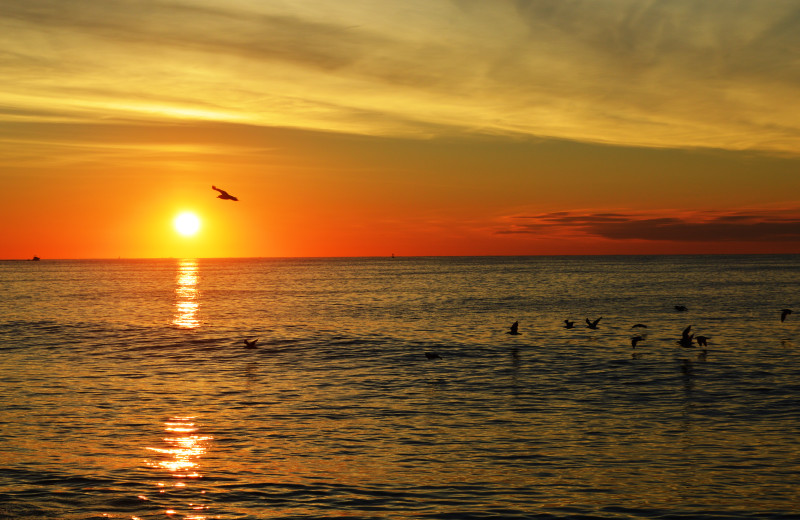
point(187, 224)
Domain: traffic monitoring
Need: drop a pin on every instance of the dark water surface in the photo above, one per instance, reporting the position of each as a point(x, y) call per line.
point(125, 390)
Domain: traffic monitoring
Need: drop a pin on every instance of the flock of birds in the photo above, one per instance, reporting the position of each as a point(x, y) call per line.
point(686, 340)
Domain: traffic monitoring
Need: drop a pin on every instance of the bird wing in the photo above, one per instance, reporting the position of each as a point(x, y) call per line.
point(224, 194)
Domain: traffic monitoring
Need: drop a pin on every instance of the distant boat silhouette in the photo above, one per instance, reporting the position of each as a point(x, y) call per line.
point(36, 259)
point(250, 343)
point(784, 312)
point(593, 324)
point(514, 329)
point(681, 308)
point(224, 195)
point(569, 324)
point(433, 355)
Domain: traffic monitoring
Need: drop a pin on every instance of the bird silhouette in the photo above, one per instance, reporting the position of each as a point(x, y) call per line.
point(250, 343)
point(568, 324)
point(593, 324)
point(433, 355)
point(224, 195)
point(514, 329)
point(681, 308)
point(639, 326)
point(635, 340)
point(702, 340)
point(686, 338)
point(784, 313)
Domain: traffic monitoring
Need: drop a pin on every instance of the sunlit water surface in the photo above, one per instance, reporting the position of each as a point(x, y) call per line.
point(127, 391)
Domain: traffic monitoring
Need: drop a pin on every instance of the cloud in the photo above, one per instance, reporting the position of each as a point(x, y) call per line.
point(677, 74)
point(744, 226)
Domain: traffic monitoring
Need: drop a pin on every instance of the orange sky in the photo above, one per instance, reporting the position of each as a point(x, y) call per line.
point(416, 128)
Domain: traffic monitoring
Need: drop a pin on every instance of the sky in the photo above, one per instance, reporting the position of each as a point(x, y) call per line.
point(371, 128)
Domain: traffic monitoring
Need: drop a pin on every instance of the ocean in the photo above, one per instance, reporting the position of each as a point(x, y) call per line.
point(126, 390)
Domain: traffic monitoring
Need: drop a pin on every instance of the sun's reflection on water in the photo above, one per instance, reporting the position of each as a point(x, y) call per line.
point(187, 295)
point(180, 458)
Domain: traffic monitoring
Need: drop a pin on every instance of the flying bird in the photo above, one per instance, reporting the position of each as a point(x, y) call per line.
point(639, 326)
point(224, 195)
point(702, 340)
point(635, 340)
point(513, 329)
point(784, 313)
point(681, 308)
point(568, 324)
point(250, 343)
point(593, 324)
point(433, 355)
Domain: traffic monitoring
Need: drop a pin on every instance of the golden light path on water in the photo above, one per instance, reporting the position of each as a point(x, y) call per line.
point(186, 296)
point(179, 458)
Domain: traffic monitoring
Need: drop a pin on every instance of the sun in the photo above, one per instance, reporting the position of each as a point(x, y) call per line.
point(187, 223)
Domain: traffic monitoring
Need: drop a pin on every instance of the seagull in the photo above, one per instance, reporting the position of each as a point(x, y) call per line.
point(568, 324)
point(224, 195)
point(432, 355)
point(784, 313)
point(639, 326)
point(250, 343)
point(686, 338)
point(635, 340)
point(593, 324)
point(514, 327)
point(680, 308)
point(702, 340)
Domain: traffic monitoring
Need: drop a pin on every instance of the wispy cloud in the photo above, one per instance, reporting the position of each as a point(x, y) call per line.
point(735, 226)
point(679, 73)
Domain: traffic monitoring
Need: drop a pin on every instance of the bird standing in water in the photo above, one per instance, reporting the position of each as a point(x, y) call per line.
point(686, 338)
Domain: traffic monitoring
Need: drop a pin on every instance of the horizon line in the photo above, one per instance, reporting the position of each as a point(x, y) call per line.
point(389, 257)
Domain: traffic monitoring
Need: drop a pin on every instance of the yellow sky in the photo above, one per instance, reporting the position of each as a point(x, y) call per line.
point(415, 127)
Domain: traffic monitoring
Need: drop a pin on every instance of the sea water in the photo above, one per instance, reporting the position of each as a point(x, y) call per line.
point(126, 390)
